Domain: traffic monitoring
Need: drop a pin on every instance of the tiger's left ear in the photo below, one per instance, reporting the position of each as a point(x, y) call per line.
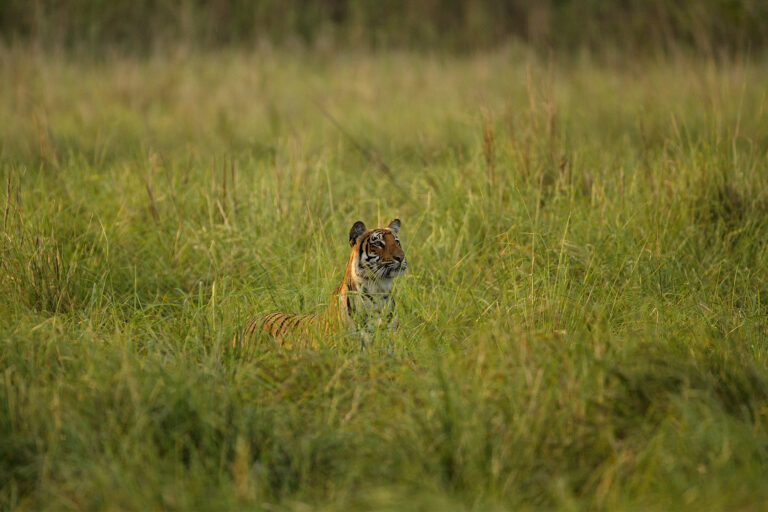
point(358, 228)
point(394, 225)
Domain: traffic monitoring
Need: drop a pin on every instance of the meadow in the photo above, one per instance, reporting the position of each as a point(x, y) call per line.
point(582, 324)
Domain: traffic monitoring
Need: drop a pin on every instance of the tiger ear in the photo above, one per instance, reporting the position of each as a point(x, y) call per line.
point(394, 225)
point(358, 228)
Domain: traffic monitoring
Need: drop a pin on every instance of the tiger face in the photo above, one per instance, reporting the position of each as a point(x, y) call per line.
point(380, 256)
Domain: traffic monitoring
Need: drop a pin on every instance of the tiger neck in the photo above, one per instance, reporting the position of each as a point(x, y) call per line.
point(355, 281)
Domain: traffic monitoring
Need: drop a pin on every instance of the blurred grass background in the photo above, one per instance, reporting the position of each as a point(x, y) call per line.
point(610, 27)
point(585, 214)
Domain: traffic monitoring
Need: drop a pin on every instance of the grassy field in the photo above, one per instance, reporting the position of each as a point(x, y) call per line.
point(583, 323)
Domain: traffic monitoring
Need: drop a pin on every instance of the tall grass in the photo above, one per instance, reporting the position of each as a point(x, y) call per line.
point(583, 321)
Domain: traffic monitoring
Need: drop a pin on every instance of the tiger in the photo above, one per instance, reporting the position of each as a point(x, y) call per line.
point(361, 303)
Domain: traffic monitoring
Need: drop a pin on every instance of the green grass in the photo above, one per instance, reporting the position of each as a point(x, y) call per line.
point(582, 325)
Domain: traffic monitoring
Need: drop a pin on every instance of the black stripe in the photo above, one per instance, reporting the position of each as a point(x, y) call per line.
point(273, 323)
point(280, 327)
point(269, 320)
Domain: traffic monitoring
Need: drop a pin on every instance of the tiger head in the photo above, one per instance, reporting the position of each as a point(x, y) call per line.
point(377, 252)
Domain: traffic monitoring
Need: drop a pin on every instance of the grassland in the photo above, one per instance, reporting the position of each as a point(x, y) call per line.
point(583, 324)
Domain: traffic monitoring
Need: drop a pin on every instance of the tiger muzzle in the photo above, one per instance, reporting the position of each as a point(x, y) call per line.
point(397, 267)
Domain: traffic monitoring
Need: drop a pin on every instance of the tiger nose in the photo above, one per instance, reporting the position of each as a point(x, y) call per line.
point(398, 259)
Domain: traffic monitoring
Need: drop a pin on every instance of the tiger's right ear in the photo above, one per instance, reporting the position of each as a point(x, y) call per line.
point(358, 228)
